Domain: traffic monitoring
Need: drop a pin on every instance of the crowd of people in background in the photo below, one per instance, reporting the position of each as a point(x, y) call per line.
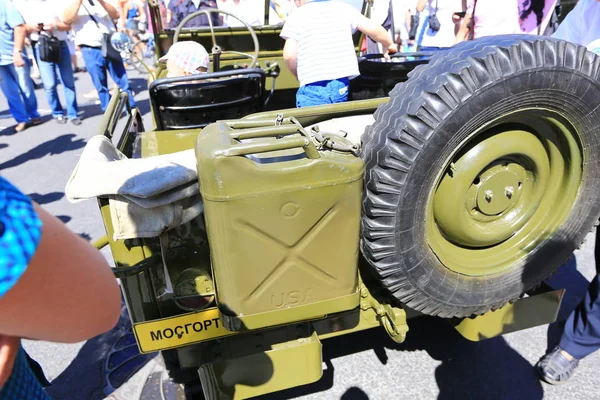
point(79, 26)
point(434, 24)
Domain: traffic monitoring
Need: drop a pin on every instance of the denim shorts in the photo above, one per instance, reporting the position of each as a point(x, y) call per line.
point(323, 92)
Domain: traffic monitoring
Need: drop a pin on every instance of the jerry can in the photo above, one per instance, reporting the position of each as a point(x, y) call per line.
point(283, 222)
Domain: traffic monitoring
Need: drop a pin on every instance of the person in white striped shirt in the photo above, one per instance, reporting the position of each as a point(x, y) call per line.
point(320, 52)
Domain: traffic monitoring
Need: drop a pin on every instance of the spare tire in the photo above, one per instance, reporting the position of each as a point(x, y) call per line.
point(482, 173)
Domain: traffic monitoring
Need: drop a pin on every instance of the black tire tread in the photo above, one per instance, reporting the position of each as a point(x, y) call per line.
point(408, 121)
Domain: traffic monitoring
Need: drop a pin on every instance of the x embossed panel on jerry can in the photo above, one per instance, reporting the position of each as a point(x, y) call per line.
point(283, 222)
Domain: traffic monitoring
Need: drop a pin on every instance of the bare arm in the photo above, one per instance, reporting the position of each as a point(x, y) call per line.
point(57, 25)
point(421, 5)
point(32, 28)
point(70, 13)
point(141, 10)
point(290, 55)
point(112, 11)
point(123, 14)
point(67, 293)
point(379, 34)
point(61, 26)
point(463, 31)
point(20, 33)
point(375, 31)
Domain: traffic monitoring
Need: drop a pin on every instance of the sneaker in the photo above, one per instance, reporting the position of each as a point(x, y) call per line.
point(76, 121)
point(20, 127)
point(35, 121)
point(555, 368)
point(60, 120)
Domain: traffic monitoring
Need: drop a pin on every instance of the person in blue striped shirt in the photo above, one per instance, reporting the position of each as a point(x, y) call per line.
point(53, 286)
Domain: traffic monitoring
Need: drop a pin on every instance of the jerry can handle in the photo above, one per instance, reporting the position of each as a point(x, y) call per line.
point(282, 143)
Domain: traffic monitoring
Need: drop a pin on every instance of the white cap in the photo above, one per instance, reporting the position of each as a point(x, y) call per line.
point(188, 55)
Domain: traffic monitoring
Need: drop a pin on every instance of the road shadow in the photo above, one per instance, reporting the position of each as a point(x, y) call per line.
point(64, 218)
point(90, 110)
point(47, 198)
point(57, 145)
point(9, 131)
point(138, 85)
point(3, 145)
point(102, 365)
point(85, 236)
point(354, 393)
point(489, 369)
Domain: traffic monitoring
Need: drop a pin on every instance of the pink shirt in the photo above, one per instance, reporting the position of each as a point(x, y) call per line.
point(494, 17)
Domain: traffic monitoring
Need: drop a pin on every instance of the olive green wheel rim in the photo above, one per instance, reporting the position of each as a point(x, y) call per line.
point(507, 188)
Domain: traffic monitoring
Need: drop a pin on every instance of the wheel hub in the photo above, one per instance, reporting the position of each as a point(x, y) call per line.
point(504, 191)
point(497, 191)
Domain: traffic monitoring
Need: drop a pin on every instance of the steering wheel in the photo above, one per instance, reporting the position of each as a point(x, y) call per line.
point(216, 49)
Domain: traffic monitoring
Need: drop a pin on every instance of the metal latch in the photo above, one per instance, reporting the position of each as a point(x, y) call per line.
point(392, 319)
point(333, 141)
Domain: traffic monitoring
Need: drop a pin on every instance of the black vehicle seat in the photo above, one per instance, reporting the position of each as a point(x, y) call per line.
point(195, 101)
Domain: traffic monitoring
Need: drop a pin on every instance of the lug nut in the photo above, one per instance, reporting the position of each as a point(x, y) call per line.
point(489, 195)
point(509, 191)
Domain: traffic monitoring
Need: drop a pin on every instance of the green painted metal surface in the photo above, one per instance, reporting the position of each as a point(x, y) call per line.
point(539, 309)
point(282, 365)
point(505, 191)
point(283, 223)
point(267, 188)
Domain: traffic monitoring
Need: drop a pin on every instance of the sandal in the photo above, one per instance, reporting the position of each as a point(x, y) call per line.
point(554, 368)
point(20, 127)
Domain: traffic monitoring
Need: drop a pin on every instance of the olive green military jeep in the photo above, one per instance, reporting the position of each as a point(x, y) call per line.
point(456, 196)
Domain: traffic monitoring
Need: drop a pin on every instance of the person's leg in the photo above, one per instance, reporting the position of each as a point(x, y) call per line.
point(9, 85)
point(48, 75)
point(119, 75)
point(96, 67)
point(73, 54)
point(27, 90)
point(68, 80)
point(581, 335)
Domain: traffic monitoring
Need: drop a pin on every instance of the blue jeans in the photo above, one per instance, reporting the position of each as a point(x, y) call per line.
point(581, 336)
point(323, 92)
point(97, 66)
point(48, 72)
point(17, 86)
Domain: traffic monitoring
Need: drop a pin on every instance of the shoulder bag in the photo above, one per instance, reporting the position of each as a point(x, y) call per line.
point(108, 51)
point(48, 47)
point(434, 22)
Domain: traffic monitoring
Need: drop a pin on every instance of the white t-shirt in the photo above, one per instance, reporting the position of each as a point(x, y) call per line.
point(582, 25)
point(446, 36)
point(400, 8)
point(87, 33)
point(250, 11)
point(494, 17)
point(323, 31)
point(41, 12)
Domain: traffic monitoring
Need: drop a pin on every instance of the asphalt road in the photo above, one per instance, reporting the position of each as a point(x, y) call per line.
point(433, 363)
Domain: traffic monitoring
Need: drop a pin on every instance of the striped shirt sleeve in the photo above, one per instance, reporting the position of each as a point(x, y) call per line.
point(291, 28)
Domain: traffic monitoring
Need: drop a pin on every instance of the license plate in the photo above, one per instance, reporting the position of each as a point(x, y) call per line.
point(179, 331)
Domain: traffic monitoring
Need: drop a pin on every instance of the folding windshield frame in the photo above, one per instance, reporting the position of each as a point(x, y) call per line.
point(158, 29)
